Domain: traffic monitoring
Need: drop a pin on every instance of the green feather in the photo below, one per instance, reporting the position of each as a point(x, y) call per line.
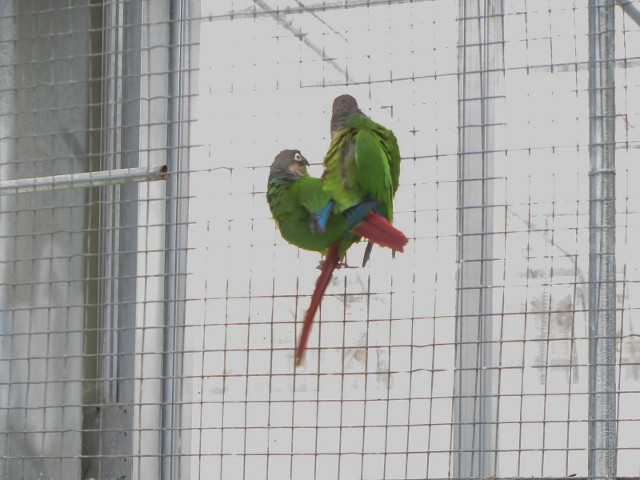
point(309, 192)
point(363, 162)
point(292, 204)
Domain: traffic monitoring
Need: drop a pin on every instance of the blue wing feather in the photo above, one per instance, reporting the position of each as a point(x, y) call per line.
point(359, 211)
point(321, 218)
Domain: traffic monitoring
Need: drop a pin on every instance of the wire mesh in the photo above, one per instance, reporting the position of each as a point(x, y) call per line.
point(148, 329)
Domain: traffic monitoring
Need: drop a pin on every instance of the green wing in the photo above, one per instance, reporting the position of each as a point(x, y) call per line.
point(390, 145)
point(373, 171)
point(292, 206)
point(363, 162)
point(340, 177)
point(310, 194)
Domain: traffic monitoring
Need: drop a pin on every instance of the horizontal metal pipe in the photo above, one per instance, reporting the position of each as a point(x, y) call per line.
point(82, 180)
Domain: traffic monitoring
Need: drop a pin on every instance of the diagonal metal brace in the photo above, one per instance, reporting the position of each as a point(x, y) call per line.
point(630, 9)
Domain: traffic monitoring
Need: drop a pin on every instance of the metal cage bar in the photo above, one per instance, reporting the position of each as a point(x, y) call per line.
point(175, 258)
point(479, 63)
point(82, 180)
point(602, 225)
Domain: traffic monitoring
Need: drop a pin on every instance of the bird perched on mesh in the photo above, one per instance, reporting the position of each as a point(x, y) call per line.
point(363, 161)
point(305, 215)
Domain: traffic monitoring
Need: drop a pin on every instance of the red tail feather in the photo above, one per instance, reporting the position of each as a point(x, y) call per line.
point(328, 267)
point(378, 230)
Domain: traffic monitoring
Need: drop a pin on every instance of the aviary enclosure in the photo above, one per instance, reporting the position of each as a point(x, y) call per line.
point(149, 308)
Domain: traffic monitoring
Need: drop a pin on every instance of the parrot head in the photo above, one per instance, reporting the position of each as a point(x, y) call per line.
point(343, 106)
point(289, 165)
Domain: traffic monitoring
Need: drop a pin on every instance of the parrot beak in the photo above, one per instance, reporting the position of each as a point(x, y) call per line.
point(299, 159)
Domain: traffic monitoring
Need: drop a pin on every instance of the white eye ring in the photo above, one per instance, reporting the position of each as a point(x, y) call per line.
point(297, 157)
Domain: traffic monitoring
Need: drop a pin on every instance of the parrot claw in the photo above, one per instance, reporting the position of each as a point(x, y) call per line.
point(344, 265)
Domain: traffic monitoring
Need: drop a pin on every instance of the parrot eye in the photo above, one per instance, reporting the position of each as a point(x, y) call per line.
point(297, 157)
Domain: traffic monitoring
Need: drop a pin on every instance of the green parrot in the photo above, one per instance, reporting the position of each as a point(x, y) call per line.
point(363, 161)
point(303, 211)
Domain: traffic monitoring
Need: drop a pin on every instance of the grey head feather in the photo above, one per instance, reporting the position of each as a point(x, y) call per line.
point(289, 165)
point(343, 106)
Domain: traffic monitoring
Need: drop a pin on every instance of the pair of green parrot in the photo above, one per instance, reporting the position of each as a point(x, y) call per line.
point(353, 199)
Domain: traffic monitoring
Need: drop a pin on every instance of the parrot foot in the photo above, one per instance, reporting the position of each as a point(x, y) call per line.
point(344, 264)
point(341, 264)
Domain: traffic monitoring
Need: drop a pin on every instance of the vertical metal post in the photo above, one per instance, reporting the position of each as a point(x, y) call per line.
point(175, 259)
point(109, 429)
point(481, 67)
point(7, 152)
point(602, 266)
